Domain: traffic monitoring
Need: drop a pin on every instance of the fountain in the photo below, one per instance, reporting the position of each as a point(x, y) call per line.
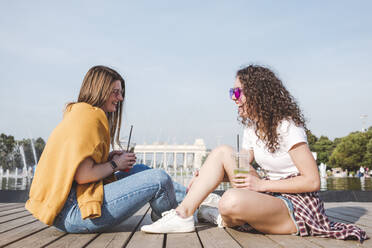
point(33, 150)
point(21, 150)
point(322, 170)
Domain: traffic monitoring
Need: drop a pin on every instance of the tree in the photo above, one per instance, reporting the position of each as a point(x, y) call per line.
point(350, 151)
point(324, 148)
point(7, 145)
point(39, 147)
point(368, 157)
point(311, 139)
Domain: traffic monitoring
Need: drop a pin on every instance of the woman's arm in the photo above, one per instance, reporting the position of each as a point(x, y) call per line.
point(307, 181)
point(252, 171)
point(89, 171)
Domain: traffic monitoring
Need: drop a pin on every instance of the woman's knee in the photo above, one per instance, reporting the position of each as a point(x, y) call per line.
point(229, 203)
point(162, 177)
point(221, 152)
point(223, 149)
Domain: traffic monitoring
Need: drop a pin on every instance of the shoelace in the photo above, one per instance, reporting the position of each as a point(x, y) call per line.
point(167, 215)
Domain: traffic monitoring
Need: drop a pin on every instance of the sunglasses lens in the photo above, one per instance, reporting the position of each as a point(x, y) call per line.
point(237, 93)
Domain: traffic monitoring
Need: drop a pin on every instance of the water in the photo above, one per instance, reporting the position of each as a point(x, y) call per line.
point(327, 184)
point(346, 183)
point(183, 176)
point(12, 183)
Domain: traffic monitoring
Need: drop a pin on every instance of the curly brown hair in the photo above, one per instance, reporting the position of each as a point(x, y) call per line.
point(268, 103)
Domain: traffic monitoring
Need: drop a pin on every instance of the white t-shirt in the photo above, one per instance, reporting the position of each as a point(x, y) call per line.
point(279, 164)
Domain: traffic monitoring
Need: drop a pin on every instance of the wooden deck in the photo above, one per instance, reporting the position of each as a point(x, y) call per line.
point(19, 229)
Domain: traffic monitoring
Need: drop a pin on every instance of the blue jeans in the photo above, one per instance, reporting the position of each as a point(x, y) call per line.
point(123, 198)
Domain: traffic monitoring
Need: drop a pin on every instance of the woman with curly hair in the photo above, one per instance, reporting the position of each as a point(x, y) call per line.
point(285, 199)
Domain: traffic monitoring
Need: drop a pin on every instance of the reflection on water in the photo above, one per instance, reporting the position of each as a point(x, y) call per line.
point(184, 177)
point(332, 183)
point(346, 183)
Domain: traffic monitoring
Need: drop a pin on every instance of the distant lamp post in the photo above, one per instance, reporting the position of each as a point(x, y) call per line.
point(364, 122)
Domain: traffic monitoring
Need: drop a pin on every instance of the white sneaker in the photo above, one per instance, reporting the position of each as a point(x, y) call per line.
point(211, 200)
point(171, 222)
point(209, 214)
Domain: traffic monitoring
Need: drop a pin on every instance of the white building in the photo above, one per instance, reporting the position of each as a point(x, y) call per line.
point(165, 155)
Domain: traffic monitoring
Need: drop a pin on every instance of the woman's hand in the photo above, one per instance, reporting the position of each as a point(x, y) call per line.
point(248, 181)
point(125, 160)
point(113, 153)
point(196, 174)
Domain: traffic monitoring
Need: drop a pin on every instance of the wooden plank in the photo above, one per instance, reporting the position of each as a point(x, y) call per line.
point(11, 217)
point(349, 219)
point(349, 212)
point(109, 240)
point(354, 209)
point(183, 240)
point(212, 236)
point(360, 210)
point(114, 239)
point(39, 239)
point(9, 204)
point(21, 232)
point(246, 239)
point(15, 223)
point(73, 240)
point(141, 239)
point(332, 243)
point(365, 206)
point(117, 236)
point(3, 203)
point(12, 211)
point(9, 207)
point(291, 241)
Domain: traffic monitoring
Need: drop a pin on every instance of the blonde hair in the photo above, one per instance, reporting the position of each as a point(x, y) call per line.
point(96, 89)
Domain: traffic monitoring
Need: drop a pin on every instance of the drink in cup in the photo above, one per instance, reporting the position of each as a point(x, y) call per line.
point(131, 147)
point(241, 163)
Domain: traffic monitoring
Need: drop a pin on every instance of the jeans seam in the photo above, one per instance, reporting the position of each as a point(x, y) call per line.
point(162, 191)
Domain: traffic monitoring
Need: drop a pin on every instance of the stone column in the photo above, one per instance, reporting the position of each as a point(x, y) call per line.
point(185, 160)
point(174, 160)
point(165, 160)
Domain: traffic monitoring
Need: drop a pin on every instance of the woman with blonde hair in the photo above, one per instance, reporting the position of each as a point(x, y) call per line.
point(79, 186)
point(285, 200)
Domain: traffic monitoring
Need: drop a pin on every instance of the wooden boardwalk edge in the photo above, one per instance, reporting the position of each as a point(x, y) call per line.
point(18, 228)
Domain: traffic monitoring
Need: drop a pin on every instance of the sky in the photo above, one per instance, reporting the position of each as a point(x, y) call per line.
point(179, 59)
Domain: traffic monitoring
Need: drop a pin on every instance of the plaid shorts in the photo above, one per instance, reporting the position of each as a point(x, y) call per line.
point(310, 218)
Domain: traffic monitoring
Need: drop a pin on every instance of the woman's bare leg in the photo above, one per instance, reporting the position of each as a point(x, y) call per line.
point(265, 213)
point(219, 162)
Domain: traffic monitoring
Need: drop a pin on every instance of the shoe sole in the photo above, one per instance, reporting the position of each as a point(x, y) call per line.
point(175, 231)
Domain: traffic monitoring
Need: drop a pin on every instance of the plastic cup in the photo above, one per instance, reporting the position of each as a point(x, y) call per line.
point(241, 163)
point(130, 150)
point(131, 147)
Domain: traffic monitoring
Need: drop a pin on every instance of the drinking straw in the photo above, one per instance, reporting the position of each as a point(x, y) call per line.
point(237, 146)
point(130, 135)
point(237, 141)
